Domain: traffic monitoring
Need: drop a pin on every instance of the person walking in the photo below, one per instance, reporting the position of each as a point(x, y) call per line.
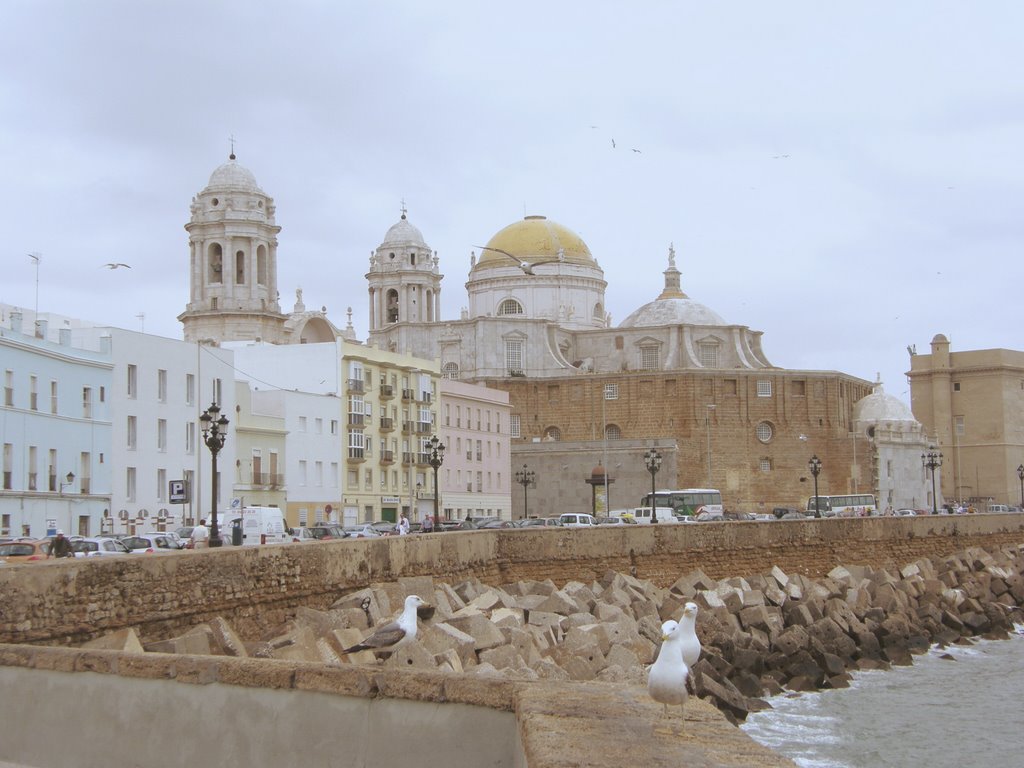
point(403, 525)
point(60, 547)
point(200, 536)
point(428, 524)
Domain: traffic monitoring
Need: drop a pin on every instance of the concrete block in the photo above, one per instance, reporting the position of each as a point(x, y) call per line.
point(485, 634)
point(126, 640)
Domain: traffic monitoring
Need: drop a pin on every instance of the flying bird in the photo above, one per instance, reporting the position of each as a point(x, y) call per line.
point(636, 150)
point(526, 266)
point(395, 634)
point(613, 143)
point(667, 679)
point(115, 265)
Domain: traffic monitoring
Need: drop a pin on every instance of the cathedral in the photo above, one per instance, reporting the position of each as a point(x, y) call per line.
point(587, 394)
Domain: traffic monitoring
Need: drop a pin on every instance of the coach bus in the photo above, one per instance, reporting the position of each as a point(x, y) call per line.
point(687, 502)
point(849, 505)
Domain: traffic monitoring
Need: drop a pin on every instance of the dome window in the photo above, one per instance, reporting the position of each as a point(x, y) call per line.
point(510, 307)
point(649, 357)
point(708, 354)
point(450, 371)
point(215, 202)
point(612, 432)
point(764, 432)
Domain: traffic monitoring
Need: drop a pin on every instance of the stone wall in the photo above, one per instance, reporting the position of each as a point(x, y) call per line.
point(256, 588)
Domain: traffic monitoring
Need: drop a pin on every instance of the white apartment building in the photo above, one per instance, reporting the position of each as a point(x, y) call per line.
point(474, 426)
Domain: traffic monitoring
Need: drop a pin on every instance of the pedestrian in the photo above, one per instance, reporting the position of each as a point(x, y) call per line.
point(428, 524)
point(60, 547)
point(403, 525)
point(200, 536)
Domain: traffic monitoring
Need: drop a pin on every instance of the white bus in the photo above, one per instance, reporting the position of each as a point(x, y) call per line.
point(848, 505)
point(687, 502)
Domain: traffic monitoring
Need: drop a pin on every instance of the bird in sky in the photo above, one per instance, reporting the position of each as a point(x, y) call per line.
point(636, 150)
point(667, 679)
point(526, 266)
point(613, 143)
point(395, 634)
point(116, 265)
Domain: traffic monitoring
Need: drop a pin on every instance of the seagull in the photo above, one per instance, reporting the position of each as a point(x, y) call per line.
point(113, 265)
point(526, 266)
point(690, 642)
point(394, 634)
point(613, 143)
point(666, 681)
point(636, 150)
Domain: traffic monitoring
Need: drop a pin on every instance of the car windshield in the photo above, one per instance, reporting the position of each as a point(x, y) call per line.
point(16, 550)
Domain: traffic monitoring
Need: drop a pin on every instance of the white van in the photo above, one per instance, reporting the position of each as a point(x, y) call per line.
point(259, 525)
point(573, 520)
point(998, 508)
point(643, 515)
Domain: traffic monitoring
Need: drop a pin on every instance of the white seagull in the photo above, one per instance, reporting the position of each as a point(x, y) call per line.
point(526, 266)
point(690, 642)
point(113, 265)
point(666, 681)
point(394, 634)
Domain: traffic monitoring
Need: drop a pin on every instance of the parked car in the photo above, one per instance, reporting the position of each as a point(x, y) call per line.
point(575, 520)
point(300, 535)
point(496, 523)
point(709, 517)
point(794, 514)
point(385, 528)
point(458, 525)
point(906, 513)
point(781, 512)
point(14, 552)
point(363, 531)
point(96, 546)
point(150, 543)
point(539, 522)
point(185, 532)
point(617, 520)
point(325, 532)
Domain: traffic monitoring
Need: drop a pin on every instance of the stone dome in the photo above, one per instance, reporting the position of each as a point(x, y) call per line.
point(879, 406)
point(231, 175)
point(672, 311)
point(536, 238)
point(403, 234)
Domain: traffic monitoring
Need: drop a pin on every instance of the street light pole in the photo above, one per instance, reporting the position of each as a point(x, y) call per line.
point(436, 459)
point(932, 460)
point(653, 461)
point(1020, 474)
point(214, 435)
point(814, 465)
point(526, 477)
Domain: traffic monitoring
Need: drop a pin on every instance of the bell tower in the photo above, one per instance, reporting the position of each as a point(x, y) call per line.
point(233, 292)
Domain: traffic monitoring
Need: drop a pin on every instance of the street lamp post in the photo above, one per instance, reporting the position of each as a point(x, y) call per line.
point(1020, 474)
point(70, 478)
point(814, 465)
point(214, 435)
point(526, 477)
point(653, 461)
point(932, 460)
point(436, 459)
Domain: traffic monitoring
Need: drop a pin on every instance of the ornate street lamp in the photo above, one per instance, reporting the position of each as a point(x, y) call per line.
point(814, 465)
point(436, 459)
point(932, 460)
point(1020, 474)
point(70, 478)
point(214, 435)
point(526, 477)
point(653, 461)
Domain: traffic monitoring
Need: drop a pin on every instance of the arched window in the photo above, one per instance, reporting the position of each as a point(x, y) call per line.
point(553, 434)
point(599, 312)
point(510, 307)
point(240, 268)
point(392, 306)
point(612, 432)
point(450, 371)
point(261, 265)
point(215, 255)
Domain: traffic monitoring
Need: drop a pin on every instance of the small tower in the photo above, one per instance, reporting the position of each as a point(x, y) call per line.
point(233, 261)
point(404, 282)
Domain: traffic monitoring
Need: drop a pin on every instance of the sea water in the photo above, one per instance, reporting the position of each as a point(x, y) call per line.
point(937, 713)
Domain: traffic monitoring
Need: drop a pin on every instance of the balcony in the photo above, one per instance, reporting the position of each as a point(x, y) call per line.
point(387, 424)
point(408, 427)
point(425, 398)
point(423, 459)
point(387, 457)
point(408, 395)
point(356, 455)
point(424, 427)
point(267, 480)
point(356, 419)
point(407, 458)
point(386, 391)
point(355, 385)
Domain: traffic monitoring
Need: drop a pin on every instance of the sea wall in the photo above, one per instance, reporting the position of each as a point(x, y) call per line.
point(255, 588)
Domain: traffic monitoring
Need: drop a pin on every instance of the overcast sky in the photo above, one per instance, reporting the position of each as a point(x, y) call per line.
point(846, 177)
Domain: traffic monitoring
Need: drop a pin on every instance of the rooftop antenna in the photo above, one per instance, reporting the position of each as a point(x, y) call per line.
point(36, 257)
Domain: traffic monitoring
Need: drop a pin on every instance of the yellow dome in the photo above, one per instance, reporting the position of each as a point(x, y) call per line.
point(535, 238)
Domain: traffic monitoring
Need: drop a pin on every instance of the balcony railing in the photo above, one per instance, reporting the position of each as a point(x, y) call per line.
point(355, 385)
point(387, 391)
point(425, 397)
point(423, 459)
point(356, 454)
point(408, 427)
point(387, 457)
point(407, 457)
point(356, 419)
point(387, 424)
point(408, 395)
point(267, 479)
point(424, 427)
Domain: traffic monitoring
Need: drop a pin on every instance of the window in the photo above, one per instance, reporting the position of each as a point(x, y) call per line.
point(161, 385)
point(217, 384)
point(302, 423)
point(334, 426)
point(161, 435)
point(450, 371)
point(133, 381)
point(161, 486)
point(8, 464)
point(514, 357)
point(766, 464)
point(190, 437)
point(318, 474)
point(86, 402)
point(33, 393)
point(510, 307)
point(190, 389)
point(513, 425)
point(32, 474)
point(612, 432)
point(318, 426)
point(764, 388)
point(552, 434)
point(708, 354)
point(958, 425)
point(764, 432)
point(956, 386)
point(9, 389)
point(649, 357)
point(302, 471)
point(53, 397)
point(611, 391)
point(129, 484)
point(131, 437)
